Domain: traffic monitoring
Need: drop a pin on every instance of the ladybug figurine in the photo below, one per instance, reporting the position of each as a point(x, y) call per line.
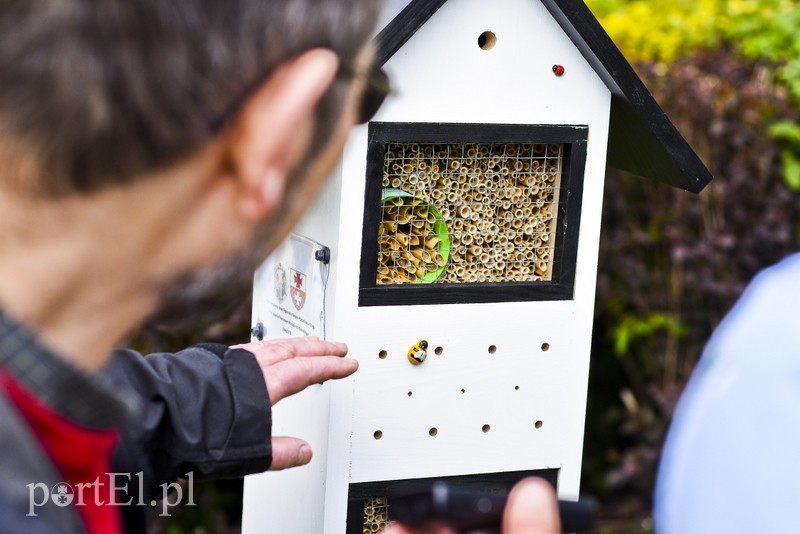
point(418, 352)
point(558, 70)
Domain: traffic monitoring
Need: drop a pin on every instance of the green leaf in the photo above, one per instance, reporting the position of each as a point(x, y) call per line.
point(791, 169)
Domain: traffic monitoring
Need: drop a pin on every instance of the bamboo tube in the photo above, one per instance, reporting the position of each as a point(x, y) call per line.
point(466, 239)
point(464, 211)
point(541, 267)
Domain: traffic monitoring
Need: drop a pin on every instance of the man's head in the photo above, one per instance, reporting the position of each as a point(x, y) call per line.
point(146, 142)
point(97, 93)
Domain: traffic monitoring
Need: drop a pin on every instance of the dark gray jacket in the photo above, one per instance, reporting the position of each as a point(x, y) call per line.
point(204, 410)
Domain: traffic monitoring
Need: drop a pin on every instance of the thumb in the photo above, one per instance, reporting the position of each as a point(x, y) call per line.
point(532, 509)
point(289, 452)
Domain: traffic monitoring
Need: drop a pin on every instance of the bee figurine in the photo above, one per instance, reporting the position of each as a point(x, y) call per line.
point(418, 352)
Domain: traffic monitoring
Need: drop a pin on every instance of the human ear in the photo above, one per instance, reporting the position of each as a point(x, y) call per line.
point(273, 129)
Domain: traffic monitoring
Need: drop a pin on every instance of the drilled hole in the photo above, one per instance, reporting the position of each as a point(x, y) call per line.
point(486, 428)
point(433, 431)
point(492, 349)
point(538, 424)
point(487, 40)
point(438, 351)
point(382, 354)
point(545, 347)
point(378, 434)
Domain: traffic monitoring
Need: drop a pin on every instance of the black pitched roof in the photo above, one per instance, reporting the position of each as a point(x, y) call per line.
point(642, 139)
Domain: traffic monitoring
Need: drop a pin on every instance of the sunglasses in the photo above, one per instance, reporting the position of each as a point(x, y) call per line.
point(376, 88)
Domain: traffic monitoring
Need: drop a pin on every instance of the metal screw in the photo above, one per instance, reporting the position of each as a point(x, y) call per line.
point(323, 255)
point(258, 331)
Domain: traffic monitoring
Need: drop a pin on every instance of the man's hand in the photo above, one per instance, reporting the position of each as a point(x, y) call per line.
point(532, 508)
point(290, 366)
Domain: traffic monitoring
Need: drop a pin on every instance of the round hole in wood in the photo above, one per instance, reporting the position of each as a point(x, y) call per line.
point(487, 40)
point(438, 351)
point(492, 349)
point(486, 428)
point(382, 354)
point(433, 431)
point(538, 424)
point(378, 434)
point(545, 347)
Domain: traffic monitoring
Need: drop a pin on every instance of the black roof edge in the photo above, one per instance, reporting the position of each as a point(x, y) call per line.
point(642, 140)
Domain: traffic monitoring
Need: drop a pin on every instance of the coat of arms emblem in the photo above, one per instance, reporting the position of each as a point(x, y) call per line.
point(297, 289)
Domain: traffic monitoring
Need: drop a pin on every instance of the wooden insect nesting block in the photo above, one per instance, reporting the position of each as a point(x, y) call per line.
point(468, 212)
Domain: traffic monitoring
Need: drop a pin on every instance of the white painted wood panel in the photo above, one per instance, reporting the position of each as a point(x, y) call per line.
point(441, 75)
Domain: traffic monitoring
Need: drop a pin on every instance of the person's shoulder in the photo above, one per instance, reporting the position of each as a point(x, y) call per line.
point(730, 454)
point(763, 320)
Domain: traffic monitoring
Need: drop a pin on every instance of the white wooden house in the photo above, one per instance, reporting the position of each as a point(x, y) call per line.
point(467, 214)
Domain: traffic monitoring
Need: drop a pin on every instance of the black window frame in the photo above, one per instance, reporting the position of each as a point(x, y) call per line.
point(562, 284)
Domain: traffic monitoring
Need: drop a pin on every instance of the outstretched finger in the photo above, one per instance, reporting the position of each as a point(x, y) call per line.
point(294, 375)
point(289, 452)
point(532, 508)
point(277, 350)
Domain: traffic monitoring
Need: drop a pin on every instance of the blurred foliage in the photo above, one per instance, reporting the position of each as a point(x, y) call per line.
point(665, 30)
point(672, 263)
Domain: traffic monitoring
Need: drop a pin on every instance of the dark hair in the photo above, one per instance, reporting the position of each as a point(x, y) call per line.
point(97, 92)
